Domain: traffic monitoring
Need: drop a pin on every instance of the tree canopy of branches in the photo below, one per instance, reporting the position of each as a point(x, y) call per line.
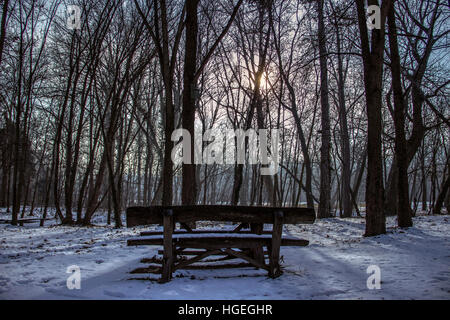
point(87, 114)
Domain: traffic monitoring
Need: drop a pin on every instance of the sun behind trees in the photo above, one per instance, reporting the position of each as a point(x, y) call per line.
point(87, 113)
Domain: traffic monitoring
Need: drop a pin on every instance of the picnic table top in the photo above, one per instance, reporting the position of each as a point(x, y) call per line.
point(192, 213)
point(32, 218)
point(212, 235)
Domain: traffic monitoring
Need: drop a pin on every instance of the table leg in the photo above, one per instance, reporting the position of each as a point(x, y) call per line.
point(168, 246)
point(274, 249)
point(258, 253)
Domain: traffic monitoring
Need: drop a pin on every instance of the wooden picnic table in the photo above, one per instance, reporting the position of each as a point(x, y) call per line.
point(22, 221)
point(239, 242)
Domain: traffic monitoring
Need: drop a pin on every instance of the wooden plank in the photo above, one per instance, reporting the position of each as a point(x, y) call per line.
point(156, 233)
point(150, 269)
point(196, 252)
point(168, 246)
point(240, 227)
point(28, 220)
point(274, 251)
point(157, 270)
point(257, 253)
point(217, 242)
point(186, 227)
point(218, 266)
point(25, 220)
point(153, 259)
point(243, 256)
point(294, 242)
point(197, 258)
point(188, 252)
point(248, 214)
point(205, 242)
point(221, 242)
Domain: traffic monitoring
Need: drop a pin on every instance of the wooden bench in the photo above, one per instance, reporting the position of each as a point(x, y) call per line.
point(22, 221)
point(234, 243)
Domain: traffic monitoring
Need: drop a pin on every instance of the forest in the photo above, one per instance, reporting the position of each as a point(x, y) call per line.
point(224, 150)
point(91, 92)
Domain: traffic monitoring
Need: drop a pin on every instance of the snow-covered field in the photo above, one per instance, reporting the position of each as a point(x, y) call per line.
point(414, 264)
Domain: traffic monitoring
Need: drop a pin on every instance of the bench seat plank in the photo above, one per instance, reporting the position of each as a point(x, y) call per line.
point(200, 231)
point(215, 241)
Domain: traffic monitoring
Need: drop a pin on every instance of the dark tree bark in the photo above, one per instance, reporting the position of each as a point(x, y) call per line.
point(324, 210)
point(18, 147)
point(189, 183)
point(403, 206)
point(344, 134)
point(3, 28)
point(447, 202)
point(444, 193)
point(372, 54)
point(169, 114)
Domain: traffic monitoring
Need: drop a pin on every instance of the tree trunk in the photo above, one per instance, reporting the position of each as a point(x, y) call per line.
point(403, 206)
point(372, 55)
point(442, 195)
point(325, 165)
point(189, 183)
point(3, 28)
point(424, 180)
point(344, 135)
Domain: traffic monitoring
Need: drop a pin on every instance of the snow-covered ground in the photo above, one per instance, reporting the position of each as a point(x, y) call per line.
point(414, 264)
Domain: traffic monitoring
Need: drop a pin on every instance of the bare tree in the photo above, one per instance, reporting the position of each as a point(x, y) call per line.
point(372, 55)
point(324, 210)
